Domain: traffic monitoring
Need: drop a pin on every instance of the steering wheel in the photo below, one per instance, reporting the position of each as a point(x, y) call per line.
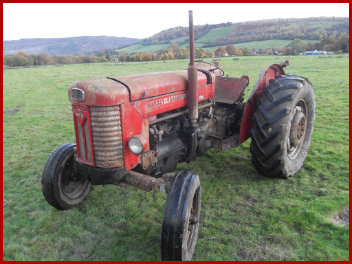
point(215, 68)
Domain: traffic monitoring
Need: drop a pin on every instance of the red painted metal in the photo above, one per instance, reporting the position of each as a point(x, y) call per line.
point(228, 90)
point(135, 117)
point(81, 116)
point(164, 103)
point(133, 124)
point(101, 92)
point(154, 84)
point(115, 91)
point(269, 73)
point(150, 94)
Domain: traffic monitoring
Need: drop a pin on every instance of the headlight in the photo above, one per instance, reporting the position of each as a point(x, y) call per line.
point(135, 146)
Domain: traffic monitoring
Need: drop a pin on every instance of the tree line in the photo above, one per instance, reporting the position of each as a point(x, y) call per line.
point(295, 47)
point(285, 29)
point(21, 59)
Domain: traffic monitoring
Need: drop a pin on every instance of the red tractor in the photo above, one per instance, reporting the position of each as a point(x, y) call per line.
point(134, 130)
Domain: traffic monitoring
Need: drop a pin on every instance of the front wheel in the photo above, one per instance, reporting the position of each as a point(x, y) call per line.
point(283, 126)
point(62, 187)
point(181, 217)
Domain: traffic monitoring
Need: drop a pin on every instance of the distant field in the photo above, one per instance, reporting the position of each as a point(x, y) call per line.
point(244, 215)
point(216, 33)
point(265, 44)
point(274, 43)
point(144, 48)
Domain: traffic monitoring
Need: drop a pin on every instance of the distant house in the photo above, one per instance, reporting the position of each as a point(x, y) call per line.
point(114, 58)
point(316, 52)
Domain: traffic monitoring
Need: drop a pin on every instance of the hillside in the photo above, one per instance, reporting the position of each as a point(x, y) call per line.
point(73, 45)
point(276, 33)
point(257, 34)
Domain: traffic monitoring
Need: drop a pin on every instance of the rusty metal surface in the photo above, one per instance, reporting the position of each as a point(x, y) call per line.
point(157, 83)
point(98, 92)
point(144, 182)
point(148, 183)
point(229, 90)
point(213, 67)
point(107, 136)
point(122, 89)
point(148, 159)
point(191, 38)
point(177, 114)
point(192, 85)
point(81, 119)
point(192, 95)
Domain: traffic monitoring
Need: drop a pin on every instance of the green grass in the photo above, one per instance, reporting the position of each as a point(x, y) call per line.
point(144, 48)
point(215, 34)
point(264, 44)
point(244, 215)
point(273, 43)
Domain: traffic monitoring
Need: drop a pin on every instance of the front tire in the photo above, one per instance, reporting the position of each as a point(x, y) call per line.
point(181, 217)
point(62, 187)
point(282, 126)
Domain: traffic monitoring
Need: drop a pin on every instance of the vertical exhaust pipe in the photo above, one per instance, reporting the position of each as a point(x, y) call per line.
point(192, 93)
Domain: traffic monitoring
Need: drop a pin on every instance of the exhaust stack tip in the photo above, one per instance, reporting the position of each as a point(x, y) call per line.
point(191, 38)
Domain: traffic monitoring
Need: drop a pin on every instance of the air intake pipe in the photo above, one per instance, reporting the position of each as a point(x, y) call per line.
point(192, 92)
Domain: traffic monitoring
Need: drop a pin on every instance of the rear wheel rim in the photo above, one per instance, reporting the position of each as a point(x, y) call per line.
point(297, 129)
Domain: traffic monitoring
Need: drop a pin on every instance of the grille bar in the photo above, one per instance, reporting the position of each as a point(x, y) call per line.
point(107, 136)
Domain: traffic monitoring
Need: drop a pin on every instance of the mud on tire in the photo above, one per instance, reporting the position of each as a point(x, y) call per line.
point(282, 126)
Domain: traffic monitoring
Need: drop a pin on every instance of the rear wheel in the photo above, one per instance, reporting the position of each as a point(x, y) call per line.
point(181, 217)
point(62, 187)
point(282, 126)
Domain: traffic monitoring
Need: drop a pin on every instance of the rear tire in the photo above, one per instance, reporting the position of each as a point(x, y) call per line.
point(62, 187)
point(181, 217)
point(282, 126)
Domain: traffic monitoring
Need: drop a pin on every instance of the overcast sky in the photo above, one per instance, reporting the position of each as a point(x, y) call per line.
point(141, 20)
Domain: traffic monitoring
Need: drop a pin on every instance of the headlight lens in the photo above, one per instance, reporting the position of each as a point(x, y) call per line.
point(135, 146)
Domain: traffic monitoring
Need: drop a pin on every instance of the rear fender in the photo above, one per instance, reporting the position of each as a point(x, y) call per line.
point(271, 72)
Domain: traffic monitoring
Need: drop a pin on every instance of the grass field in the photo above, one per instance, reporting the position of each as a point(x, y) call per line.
point(244, 215)
point(216, 33)
point(144, 48)
point(265, 44)
point(273, 43)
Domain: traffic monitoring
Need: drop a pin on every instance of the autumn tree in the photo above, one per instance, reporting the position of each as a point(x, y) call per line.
point(239, 52)
point(199, 53)
point(22, 53)
point(230, 49)
point(246, 51)
point(146, 57)
point(220, 52)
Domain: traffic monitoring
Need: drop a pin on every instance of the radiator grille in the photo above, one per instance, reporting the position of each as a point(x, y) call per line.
point(107, 136)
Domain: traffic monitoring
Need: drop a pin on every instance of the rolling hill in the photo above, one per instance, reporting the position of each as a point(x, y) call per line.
point(59, 46)
point(274, 33)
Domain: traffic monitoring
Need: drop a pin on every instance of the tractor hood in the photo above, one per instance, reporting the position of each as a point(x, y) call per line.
point(123, 89)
